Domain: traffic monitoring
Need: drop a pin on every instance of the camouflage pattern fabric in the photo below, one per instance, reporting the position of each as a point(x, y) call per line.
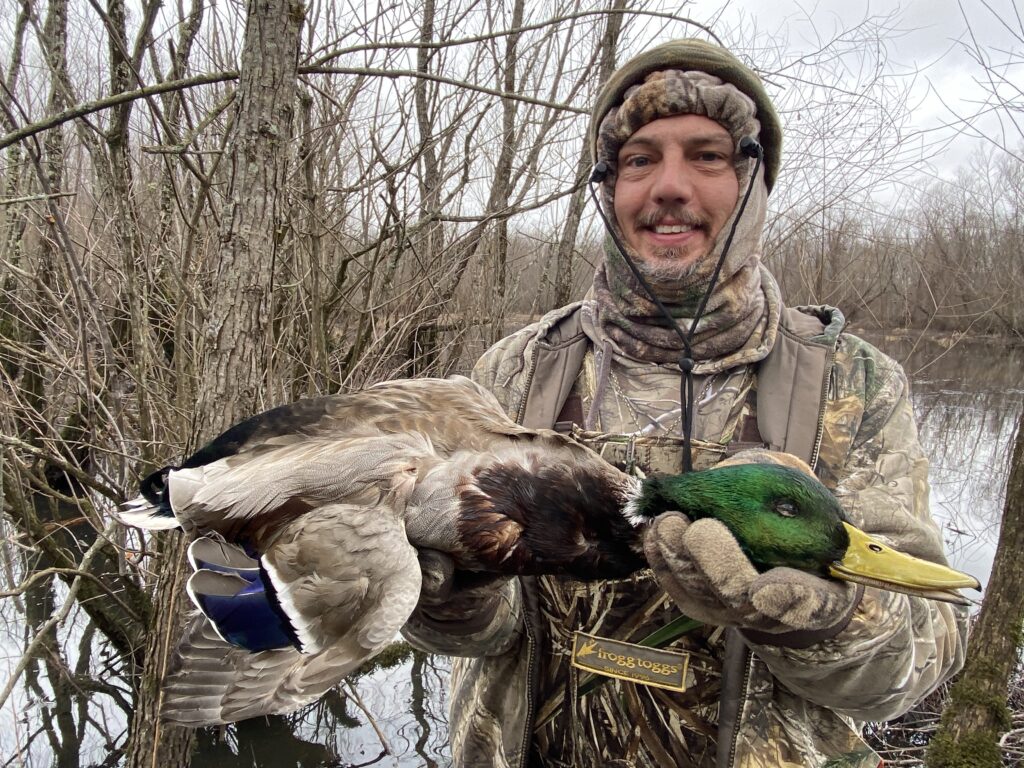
point(778, 706)
point(692, 56)
point(638, 426)
point(636, 725)
point(739, 308)
point(669, 92)
point(739, 304)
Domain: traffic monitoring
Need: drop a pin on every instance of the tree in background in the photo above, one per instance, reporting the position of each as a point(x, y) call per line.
point(977, 714)
point(237, 336)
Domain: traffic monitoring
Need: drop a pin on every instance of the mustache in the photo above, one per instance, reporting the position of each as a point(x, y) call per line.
point(673, 212)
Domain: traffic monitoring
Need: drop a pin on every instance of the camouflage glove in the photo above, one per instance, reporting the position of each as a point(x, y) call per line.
point(703, 569)
point(447, 596)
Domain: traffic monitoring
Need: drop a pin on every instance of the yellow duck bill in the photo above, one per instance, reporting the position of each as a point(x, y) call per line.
point(869, 561)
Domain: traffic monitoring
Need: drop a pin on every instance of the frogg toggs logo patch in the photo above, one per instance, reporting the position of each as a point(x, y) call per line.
point(626, 661)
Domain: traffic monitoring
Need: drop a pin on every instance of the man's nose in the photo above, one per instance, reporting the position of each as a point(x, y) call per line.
point(673, 183)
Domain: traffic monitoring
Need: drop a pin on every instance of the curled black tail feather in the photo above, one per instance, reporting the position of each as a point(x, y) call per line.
point(154, 489)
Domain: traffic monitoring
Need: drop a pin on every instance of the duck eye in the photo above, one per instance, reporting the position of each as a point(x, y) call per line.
point(785, 508)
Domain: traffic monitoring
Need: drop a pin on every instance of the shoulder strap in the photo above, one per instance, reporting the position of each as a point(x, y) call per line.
point(555, 366)
point(792, 384)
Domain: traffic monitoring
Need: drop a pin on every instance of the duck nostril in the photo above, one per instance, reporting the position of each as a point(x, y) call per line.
point(875, 547)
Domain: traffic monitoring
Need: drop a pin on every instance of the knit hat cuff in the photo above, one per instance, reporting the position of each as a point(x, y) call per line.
point(667, 93)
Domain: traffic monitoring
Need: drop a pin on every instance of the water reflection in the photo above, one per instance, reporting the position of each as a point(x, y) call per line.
point(967, 398)
point(389, 717)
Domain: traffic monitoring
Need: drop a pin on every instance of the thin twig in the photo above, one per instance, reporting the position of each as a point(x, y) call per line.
point(54, 621)
point(35, 198)
point(373, 723)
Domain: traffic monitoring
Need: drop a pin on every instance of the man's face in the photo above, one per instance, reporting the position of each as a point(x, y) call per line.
point(675, 189)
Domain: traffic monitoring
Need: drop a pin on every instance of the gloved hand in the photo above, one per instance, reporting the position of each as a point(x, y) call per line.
point(447, 595)
point(703, 569)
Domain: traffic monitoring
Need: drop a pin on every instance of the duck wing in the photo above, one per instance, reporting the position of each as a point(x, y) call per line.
point(452, 413)
point(248, 497)
point(346, 579)
point(448, 414)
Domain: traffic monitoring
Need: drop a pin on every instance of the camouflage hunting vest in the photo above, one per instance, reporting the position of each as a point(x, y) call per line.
point(622, 723)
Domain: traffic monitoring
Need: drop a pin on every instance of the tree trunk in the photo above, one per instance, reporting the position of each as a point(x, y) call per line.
point(430, 242)
point(566, 251)
point(234, 360)
point(237, 338)
point(503, 182)
point(152, 743)
point(977, 713)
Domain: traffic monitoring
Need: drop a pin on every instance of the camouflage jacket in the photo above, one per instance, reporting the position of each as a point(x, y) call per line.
point(797, 705)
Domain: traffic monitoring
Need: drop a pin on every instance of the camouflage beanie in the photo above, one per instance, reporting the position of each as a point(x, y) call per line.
point(683, 77)
point(667, 93)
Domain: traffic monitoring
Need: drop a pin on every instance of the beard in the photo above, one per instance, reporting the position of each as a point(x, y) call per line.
point(668, 266)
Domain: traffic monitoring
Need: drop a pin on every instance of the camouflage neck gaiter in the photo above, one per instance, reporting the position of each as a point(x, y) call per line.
point(737, 311)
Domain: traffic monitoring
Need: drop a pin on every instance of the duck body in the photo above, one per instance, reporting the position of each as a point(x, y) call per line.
point(310, 515)
point(309, 518)
point(428, 452)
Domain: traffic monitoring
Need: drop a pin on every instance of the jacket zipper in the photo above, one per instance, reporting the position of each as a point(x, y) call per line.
point(747, 663)
point(531, 658)
point(531, 641)
point(826, 387)
point(521, 410)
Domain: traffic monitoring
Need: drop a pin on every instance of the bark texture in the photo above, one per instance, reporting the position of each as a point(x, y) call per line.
point(237, 335)
point(565, 252)
point(233, 375)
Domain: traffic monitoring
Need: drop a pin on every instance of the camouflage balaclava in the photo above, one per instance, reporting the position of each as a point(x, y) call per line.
point(741, 317)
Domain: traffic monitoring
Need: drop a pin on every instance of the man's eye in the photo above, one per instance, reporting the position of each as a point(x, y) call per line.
point(637, 161)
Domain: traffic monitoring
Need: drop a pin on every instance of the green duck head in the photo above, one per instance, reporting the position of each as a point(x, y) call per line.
point(783, 517)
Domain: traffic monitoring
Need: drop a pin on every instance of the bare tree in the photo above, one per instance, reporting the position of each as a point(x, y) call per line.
point(565, 252)
point(977, 714)
point(238, 335)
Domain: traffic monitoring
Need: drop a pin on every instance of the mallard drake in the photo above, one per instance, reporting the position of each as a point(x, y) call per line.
point(311, 515)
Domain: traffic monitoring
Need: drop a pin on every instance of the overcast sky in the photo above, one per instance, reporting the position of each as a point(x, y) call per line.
point(931, 41)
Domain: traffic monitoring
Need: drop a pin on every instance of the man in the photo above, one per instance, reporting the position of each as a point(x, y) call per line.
point(786, 664)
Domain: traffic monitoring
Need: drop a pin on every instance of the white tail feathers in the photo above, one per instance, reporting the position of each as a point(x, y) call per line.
point(142, 513)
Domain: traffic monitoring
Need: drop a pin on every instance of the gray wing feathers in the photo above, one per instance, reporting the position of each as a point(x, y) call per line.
point(343, 568)
point(348, 579)
point(218, 683)
point(327, 506)
point(212, 550)
point(316, 471)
